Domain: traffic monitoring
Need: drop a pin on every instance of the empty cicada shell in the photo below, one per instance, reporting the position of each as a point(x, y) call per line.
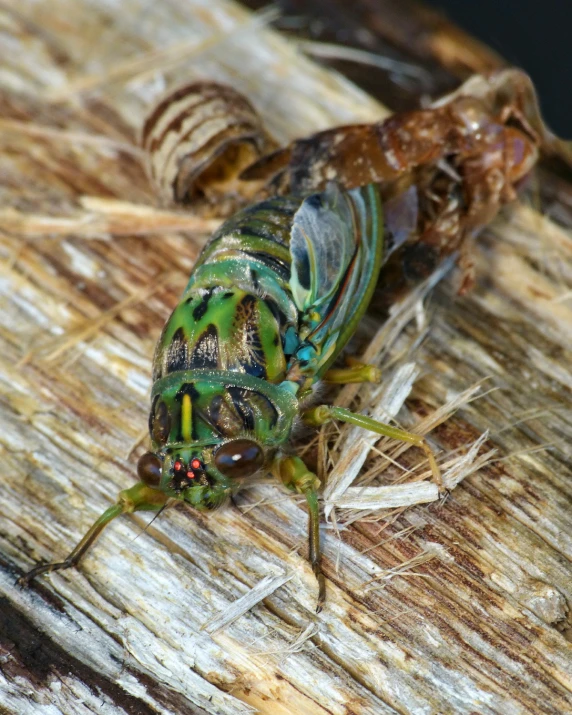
point(198, 140)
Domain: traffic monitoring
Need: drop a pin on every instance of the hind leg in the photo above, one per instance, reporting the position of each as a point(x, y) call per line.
point(317, 416)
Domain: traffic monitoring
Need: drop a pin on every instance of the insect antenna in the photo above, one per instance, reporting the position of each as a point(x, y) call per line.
point(161, 510)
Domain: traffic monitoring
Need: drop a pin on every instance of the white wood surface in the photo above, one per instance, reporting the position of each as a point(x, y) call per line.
point(461, 609)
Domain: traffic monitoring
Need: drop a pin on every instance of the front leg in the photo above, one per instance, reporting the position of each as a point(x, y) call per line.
point(139, 498)
point(317, 416)
point(296, 476)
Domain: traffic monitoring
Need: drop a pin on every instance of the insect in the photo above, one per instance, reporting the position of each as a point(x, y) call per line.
point(282, 285)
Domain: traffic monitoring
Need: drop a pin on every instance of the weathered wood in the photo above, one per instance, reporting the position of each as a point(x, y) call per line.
point(458, 607)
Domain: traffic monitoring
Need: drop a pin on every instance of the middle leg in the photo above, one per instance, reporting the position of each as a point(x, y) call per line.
point(317, 416)
point(355, 372)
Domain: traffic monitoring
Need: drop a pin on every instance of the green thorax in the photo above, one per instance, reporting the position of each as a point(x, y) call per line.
point(221, 329)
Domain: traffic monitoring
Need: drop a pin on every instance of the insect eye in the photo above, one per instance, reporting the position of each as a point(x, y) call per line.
point(149, 469)
point(239, 458)
point(161, 424)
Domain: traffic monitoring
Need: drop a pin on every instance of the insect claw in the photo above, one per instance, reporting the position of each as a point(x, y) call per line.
point(25, 580)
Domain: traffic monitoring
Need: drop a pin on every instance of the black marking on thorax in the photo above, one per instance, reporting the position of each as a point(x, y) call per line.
point(177, 352)
point(206, 350)
point(242, 407)
point(250, 405)
point(250, 352)
point(200, 310)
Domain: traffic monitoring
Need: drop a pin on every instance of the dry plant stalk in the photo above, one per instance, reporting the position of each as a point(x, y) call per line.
point(242, 605)
point(102, 219)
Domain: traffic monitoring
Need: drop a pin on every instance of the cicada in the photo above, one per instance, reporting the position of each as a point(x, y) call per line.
point(282, 285)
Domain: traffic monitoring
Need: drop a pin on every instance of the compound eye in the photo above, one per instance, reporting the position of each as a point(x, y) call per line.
point(240, 458)
point(149, 468)
point(161, 424)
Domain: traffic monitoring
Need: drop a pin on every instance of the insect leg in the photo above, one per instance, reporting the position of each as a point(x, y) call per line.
point(355, 372)
point(296, 476)
point(321, 414)
point(139, 498)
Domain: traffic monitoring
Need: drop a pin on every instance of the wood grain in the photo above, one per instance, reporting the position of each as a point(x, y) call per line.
point(455, 607)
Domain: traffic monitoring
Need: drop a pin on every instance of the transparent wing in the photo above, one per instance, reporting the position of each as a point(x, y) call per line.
point(337, 249)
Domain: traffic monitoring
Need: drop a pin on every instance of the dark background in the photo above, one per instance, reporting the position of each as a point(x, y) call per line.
point(534, 35)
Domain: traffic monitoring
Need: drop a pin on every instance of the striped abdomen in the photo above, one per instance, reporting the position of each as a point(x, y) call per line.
point(237, 312)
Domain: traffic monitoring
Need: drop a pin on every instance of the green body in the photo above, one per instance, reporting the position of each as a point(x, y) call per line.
point(272, 300)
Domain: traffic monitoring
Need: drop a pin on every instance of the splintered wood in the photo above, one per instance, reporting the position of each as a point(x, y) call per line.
point(455, 606)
